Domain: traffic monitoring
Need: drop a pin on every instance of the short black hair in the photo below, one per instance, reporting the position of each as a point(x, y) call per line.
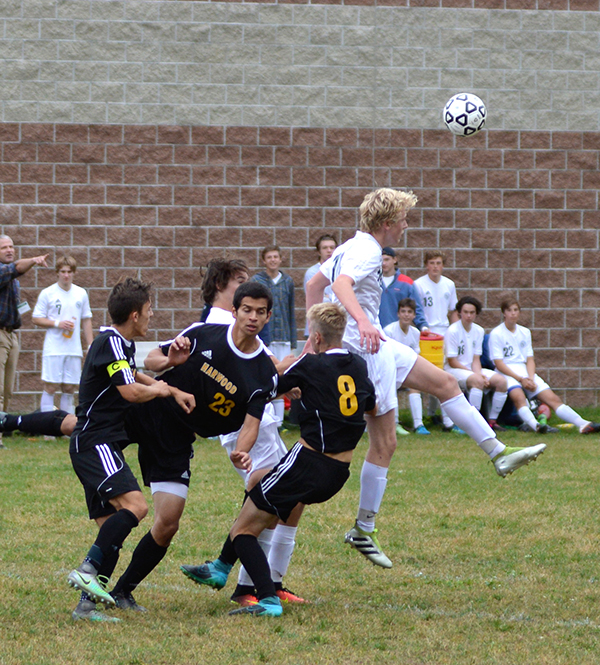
point(408, 302)
point(128, 295)
point(254, 290)
point(469, 300)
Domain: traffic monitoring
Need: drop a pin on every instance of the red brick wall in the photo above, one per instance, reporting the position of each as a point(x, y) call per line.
point(514, 210)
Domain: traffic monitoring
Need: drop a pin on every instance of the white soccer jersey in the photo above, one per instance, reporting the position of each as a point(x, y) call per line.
point(437, 299)
point(512, 347)
point(463, 345)
point(327, 294)
point(410, 338)
point(360, 259)
point(59, 305)
point(218, 315)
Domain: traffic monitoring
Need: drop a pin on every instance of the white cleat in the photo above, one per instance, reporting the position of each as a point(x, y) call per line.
point(366, 543)
point(510, 459)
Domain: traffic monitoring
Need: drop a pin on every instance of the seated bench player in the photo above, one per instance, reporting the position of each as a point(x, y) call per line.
point(463, 344)
point(336, 393)
point(512, 352)
point(404, 332)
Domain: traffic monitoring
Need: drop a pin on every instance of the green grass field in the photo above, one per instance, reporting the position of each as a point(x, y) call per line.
point(485, 570)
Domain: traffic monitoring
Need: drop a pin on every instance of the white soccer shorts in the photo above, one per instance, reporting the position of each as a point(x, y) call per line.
point(61, 369)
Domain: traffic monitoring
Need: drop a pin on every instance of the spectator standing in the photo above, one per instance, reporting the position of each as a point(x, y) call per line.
point(64, 310)
point(10, 314)
point(397, 287)
point(282, 325)
point(325, 247)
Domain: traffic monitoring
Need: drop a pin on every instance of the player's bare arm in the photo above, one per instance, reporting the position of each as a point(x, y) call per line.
point(315, 289)
point(141, 391)
point(456, 364)
point(179, 352)
point(45, 322)
point(370, 337)
point(476, 369)
point(185, 400)
point(525, 381)
point(88, 332)
point(240, 456)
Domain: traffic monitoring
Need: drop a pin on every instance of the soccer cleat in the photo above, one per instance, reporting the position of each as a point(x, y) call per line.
point(590, 428)
point(421, 429)
point(3, 415)
point(454, 429)
point(93, 585)
point(267, 607)
point(494, 425)
point(400, 431)
point(510, 459)
point(212, 573)
point(546, 429)
point(244, 600)
point(86, 610)
point(286, 596)
point(126, 601)
point(367, 544)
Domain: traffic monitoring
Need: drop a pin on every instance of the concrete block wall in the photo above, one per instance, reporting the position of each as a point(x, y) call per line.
point(148, 137)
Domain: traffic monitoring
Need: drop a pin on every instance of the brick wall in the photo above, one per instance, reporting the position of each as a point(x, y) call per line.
point(322, 65)
point(515, 211)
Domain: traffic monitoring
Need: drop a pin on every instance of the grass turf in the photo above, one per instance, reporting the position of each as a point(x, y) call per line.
point(485, 570)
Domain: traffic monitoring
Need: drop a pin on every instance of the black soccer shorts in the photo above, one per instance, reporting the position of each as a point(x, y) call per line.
point(104, 474)
point(302, 476)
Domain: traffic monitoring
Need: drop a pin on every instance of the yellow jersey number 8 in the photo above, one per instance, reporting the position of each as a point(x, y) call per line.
point(348, 399)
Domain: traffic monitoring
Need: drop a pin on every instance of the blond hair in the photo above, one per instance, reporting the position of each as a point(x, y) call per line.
point(329, 320)
point(384, 205)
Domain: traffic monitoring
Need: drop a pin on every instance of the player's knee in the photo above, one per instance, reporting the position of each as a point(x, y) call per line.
point(163, 531)
point(136, 504)
point(475, 382)
point(68, 424)
point(447, 387)
point(500, 385)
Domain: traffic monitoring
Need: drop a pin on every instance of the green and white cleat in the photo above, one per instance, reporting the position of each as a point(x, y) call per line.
point(368, 545)
point(511, 459)
point(93, 585)
point(86, 611)
point(400, 431)
point(267, 607)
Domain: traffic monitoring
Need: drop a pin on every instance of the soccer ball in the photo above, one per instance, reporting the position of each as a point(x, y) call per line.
point(464, 114)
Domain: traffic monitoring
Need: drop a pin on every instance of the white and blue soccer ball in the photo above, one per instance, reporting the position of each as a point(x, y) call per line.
point(465, 114)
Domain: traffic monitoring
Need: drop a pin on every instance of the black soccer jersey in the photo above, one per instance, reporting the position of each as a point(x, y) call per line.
point(100, 415)
point(226, 383)
point(336, 392)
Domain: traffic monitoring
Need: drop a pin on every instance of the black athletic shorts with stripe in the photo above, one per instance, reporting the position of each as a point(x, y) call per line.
point(104, 474)
point(302, 476)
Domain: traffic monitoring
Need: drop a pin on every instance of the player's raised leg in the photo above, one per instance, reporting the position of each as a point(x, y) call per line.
point(425, 376)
